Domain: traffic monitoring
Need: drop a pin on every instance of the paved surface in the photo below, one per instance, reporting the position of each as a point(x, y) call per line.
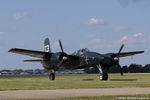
point(64, 93)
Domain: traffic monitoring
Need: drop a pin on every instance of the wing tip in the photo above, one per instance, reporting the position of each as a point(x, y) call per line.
point(142, 51)
point(12, 49)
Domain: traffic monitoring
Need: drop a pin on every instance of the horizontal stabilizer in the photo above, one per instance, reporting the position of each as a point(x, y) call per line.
point(38, 60)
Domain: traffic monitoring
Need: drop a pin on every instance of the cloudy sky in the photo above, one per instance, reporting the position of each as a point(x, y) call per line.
point(100, 25)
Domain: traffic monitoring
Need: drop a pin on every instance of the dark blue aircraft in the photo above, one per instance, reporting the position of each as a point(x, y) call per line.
point(81, 59)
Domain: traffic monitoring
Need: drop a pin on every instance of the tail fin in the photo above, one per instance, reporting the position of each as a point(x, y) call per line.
point(47, 45)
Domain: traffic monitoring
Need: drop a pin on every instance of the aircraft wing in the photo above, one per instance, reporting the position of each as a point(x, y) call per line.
point(130, 53)
point(33, 53)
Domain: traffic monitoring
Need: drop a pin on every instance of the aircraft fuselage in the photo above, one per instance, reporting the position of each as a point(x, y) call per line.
point(87, 59)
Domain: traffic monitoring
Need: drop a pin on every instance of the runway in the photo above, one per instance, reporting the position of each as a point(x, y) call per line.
point(66, 93)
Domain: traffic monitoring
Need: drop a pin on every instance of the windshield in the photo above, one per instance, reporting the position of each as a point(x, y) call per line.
point(78, 52)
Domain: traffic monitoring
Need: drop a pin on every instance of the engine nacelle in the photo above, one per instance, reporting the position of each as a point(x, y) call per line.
point(58, 57)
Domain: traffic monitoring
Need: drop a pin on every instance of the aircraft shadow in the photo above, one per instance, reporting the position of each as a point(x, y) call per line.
point(87, 79)
point(112, 80)
point(123, 79)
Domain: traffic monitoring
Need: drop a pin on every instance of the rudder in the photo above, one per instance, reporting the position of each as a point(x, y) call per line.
point(47, 45)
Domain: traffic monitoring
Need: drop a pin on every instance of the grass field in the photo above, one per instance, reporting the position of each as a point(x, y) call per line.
point(73, 81)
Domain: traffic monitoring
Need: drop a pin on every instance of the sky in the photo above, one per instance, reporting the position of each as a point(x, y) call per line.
point(99, 25)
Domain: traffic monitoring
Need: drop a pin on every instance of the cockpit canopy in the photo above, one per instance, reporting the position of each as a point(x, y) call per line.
point(78, 52)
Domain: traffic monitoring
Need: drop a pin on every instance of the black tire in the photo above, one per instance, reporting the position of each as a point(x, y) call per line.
point(52, 76)
point(104, 76)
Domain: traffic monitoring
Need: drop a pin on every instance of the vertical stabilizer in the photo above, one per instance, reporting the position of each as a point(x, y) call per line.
point(47, 45)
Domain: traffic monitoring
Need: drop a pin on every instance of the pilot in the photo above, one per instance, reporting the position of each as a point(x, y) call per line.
point(82, 52)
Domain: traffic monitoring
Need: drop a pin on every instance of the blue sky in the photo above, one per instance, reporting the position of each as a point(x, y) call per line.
point(100, 25)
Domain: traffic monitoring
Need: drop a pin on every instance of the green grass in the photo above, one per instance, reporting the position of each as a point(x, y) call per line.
point(73, 81)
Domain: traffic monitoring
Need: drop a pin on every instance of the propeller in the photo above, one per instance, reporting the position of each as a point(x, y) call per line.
point(121, 49)
point(61, 47)
point(120, 69)
point(117, 58)
point(63, 55)
point(60, 63)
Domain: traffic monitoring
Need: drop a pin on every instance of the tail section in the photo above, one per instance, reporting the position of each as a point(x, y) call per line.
point(47, 46)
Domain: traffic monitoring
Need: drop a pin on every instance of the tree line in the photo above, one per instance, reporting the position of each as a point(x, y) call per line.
point(133, 68)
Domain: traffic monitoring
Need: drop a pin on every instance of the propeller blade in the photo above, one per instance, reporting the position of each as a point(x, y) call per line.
point(120, 69)
point(121, 49)
point(59, 63)
point(61, 46)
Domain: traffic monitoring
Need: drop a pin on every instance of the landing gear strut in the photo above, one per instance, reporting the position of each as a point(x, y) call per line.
point(103, 73)
point(52, 75)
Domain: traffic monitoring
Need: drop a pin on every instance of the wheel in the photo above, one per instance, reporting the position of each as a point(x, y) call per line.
point(103, 76)
point(52, 76)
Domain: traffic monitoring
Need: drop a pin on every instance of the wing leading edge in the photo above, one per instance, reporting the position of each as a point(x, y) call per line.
point(129, 53)
point(33, 53)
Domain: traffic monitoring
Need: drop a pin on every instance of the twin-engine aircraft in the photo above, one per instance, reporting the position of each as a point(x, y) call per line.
point(80, 59)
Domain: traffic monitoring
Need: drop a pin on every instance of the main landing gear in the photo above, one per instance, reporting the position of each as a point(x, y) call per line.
point(52, 75)
point(103, 73)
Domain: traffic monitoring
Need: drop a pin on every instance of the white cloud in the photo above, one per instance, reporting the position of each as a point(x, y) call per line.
point(120, 28)
point(20, 15)
point(138, 35)
point(124, 38)
point(132, 38)
point(1, 33)
point(95, 21)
